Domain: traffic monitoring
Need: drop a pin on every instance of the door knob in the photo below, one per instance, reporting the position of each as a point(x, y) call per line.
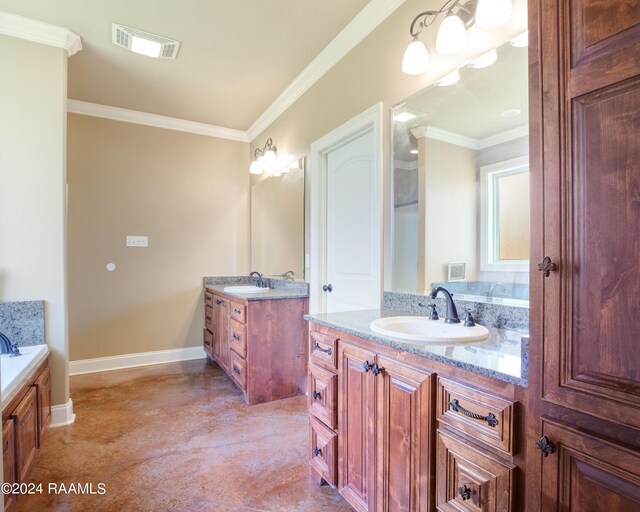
point(327, 288)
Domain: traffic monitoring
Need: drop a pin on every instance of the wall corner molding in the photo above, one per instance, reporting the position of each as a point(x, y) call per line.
point(365, 22)
point(86, 108)
point(105, 364)
point(39, 32)
point(62, 415)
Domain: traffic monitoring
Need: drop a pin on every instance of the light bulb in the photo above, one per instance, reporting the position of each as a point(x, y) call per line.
point(493, 13)
point(255, 168)
point(416, 59)
point(452, 36)
point(270, 158)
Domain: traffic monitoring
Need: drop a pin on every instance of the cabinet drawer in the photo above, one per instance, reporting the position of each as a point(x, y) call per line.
point(469, 478)
point(208, 342)
point(323, 395)
point(238, 370)
point(238, 312)
point(208, 298)
point(208, 317)
point(483, 416)
point(323, 350)
point(238, 338)
point(323, 450)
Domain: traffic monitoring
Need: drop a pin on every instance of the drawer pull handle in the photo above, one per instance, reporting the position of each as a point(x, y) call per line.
point(545, 446)
point(218, 301)
point(316, 451)
point(367, 366)
point(326, 350)
point(235, 370)
point(464, 492)
point(490, 418)
point(236, 311)
point(546, 266)
point(315, 395)
point(377, 370)
point(236, 337)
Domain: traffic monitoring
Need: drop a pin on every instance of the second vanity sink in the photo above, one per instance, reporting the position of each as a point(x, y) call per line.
point(245, 289)
point(421, 329)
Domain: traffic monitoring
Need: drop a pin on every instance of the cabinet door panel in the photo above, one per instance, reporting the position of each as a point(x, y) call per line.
point(587, 474)
point(9, 461)
point(471, 479)
point(43, 386)
point(356, 405)
point(26, 422)
point(404, 438)
point(221, 332)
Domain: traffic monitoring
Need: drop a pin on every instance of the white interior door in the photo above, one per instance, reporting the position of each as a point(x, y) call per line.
point(353, 227)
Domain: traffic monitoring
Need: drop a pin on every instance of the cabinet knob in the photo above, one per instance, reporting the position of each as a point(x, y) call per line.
point(315, 394)
point(327, 288)
point(218, 301)
point(546, 266)
point(545, 446)
point(235, 370)
point(464, 492)
point(367, 366)
point(316, 451)
point(377, 370)
point(236, 337)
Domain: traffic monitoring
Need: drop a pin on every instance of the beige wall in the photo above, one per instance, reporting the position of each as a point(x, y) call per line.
point(33, 91)
point(188, 193)
point(371, 73)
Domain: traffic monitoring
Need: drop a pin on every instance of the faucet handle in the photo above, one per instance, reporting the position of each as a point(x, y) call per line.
point(433, 315)
point(469, 321)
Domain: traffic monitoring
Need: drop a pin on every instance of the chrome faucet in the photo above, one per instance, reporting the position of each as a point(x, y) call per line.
point(451, 314)
point(261, 282)
point(6, 347)
point(288, 275)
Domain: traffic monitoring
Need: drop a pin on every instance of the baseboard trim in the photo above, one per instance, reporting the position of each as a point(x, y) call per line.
point(105, 364)
point(62, 415)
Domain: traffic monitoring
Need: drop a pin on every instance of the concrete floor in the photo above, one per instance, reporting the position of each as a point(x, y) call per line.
point(178, 437)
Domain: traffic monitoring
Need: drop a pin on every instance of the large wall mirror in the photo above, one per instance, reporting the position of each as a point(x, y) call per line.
point(277, 223)
point(461, 182)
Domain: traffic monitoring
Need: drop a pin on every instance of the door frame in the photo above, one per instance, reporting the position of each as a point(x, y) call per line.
point(368, 121)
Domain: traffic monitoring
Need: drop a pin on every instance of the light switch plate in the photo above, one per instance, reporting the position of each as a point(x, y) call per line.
point(137, 241)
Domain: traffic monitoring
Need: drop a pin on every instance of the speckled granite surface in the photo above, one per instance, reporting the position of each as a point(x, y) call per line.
point(278, 288)
point(23, 322)
point(503, 356)
point(491, 315)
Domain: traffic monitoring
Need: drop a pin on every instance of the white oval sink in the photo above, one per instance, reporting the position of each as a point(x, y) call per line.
point(420, 328)
point(245, 289)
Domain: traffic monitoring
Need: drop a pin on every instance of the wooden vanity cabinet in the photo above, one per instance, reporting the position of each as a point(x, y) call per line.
point(25, 421)
point(260, 344)
point(402, 445)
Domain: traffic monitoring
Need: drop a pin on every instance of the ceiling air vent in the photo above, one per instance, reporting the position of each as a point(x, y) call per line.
point(139, 41)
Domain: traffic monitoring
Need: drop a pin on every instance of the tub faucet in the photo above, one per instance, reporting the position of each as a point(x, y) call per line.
point(451, 314)
point(6, 347)
point(261, 282)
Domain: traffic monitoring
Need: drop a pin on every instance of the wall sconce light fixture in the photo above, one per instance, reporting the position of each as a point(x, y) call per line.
point(264, 158)
point(459, 15)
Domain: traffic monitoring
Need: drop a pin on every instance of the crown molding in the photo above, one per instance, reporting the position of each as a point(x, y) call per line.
point(157, 121)
point(506, 136)
point(435, 133)
point(374, 13)
point(39, 32)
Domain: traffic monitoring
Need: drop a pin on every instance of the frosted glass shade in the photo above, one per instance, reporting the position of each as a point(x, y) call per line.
point(493, 13)
point(452, 36)
point(270, 159)
point(255, 168)
point(416, 59)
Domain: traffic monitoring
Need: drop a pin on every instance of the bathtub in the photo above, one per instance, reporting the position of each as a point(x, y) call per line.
point(13, 370)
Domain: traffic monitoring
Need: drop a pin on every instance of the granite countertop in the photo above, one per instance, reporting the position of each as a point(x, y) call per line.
point(273, 293)
point(504, 356)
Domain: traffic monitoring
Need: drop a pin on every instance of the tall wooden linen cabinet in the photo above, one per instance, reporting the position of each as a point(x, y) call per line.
point(583, 435)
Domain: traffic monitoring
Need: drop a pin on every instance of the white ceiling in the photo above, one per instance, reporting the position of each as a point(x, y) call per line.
point(235, 58)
